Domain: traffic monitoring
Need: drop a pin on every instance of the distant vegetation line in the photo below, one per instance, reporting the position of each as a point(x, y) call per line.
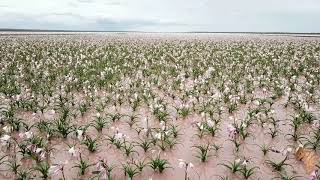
point(219, 32)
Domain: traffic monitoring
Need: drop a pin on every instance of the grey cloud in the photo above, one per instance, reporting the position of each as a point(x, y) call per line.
point(113, 3)
point(17, 20)
point(86, 1)
point(72, 4)
point(121, 25)
point(23, 21)
point(66, 14)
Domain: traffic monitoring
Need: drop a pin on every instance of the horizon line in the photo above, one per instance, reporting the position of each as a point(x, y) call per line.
point(221, 32)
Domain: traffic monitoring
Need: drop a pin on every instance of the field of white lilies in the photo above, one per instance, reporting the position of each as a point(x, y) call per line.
point(190, 107)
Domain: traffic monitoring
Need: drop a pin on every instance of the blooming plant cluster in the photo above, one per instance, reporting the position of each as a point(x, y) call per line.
point(149, 106)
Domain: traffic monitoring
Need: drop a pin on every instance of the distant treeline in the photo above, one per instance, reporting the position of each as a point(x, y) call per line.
point(49, 30)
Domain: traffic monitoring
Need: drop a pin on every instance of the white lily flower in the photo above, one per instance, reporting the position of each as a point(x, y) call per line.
point(289, 150)
point(237, 161)
point(42, 155)
point(5, 138)
point(52, 112)
point(28, 134)
point(21, 135)
point(119, 136)
point(145, 119)
point(7, 129)
point(157, 136)
point(314, 175)
point(181, 164)
point(200, 125)
point(72, 151)
point(38, 150)
point(285, 152)
point(210, 123)
point(191, 165)
point(54, 169)
point(162, 125)
point(80, 133)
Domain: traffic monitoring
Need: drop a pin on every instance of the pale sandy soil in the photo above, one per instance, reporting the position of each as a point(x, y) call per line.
point(184, 150)
point(206, 171)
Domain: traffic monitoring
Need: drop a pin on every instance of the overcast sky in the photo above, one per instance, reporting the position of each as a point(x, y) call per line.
point(163, 15)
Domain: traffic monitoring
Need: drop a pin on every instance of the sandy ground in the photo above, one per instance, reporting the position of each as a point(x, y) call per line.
point(211, 169)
